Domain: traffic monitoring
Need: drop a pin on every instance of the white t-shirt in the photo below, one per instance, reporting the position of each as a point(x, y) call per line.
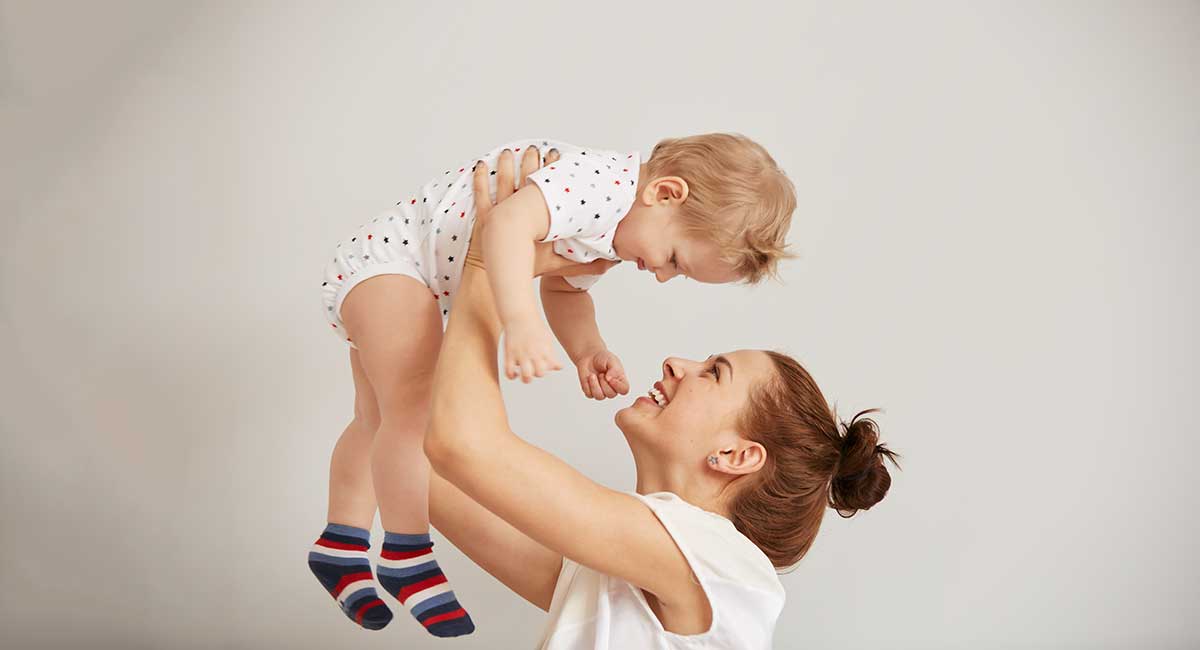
point(599, 612)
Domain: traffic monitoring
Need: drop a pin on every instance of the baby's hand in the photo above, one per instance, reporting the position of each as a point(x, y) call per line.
point(601, 375)
point(528, 351)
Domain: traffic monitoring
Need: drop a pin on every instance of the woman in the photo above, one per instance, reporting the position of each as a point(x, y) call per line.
point(737, 457)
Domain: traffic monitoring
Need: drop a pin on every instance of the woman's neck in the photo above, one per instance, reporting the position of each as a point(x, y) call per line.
point(697, 489)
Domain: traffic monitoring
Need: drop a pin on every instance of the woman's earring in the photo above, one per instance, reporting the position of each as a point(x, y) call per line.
point(712, 460)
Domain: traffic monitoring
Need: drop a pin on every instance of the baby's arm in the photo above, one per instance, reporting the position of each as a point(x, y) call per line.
point(508, 246)
point(572, 316)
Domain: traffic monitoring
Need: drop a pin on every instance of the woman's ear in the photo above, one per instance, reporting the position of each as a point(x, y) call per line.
point(667, 190)
point(745, 457)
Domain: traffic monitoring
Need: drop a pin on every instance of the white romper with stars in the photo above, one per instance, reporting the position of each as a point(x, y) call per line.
point(425, 235)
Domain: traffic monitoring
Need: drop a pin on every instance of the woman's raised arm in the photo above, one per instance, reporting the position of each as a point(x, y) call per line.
point(470, 443)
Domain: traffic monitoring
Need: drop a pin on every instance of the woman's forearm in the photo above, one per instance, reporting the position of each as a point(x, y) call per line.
point(466, 387)
point(572, 318)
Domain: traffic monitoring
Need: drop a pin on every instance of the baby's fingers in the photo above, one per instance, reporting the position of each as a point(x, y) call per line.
point(594, 383)
point(618, 382)
point(607, 388)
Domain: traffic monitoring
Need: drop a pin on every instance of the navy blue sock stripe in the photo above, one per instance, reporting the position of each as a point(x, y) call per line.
point(345, 539)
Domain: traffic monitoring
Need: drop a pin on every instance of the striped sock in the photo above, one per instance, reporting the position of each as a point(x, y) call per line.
point(408, 571)
point(339, 560)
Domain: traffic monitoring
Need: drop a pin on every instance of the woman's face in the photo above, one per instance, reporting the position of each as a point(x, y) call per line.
point(698, 409)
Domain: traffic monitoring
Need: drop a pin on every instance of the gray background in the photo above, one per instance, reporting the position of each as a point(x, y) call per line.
point(997, 222)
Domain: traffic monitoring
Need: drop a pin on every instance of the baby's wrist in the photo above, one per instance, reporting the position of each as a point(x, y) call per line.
point(587, 352)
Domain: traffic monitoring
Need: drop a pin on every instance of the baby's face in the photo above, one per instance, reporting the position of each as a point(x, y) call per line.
point(658, 243)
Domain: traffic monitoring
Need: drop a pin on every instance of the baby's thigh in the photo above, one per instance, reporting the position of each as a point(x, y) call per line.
point(397, 327)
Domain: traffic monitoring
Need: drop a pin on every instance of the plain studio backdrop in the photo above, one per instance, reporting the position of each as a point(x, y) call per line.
point(998, 215)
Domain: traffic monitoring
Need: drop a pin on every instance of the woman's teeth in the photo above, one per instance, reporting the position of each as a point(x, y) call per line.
point(658, 397)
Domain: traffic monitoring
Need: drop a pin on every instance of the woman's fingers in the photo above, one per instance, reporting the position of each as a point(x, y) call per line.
point(530, 161)
point(504, 180)
point(552, 156)
point(483, 196)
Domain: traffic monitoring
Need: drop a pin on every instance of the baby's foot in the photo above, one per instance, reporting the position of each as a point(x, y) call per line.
point(339, 560)
point(408, 571)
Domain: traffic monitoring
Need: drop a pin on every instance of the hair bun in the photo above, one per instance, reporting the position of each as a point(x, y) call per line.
point(860, 479)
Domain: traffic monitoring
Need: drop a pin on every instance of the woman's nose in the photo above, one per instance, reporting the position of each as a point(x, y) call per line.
point(676, 368)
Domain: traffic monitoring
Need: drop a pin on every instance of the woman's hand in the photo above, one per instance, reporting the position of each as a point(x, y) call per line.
point(545, 261)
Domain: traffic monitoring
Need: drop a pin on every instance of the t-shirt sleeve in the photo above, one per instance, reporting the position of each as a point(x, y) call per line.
point(587, 195)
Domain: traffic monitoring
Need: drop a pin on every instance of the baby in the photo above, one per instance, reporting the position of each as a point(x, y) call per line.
point(714, 207)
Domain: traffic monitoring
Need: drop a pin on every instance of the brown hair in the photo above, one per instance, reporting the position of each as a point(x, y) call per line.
point(813, 462)
point(738, 198)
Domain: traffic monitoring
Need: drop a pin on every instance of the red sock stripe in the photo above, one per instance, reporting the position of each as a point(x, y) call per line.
point(409, 590)
point(458, 613)
point(348, 578)
point(363, 610)
point(328, 543)
point(404, 555)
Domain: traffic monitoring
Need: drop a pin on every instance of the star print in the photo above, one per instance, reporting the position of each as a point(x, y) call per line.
point(451, 258)
point(385, 240)
point(405, 242)
point(582, 202)
point(453, 237)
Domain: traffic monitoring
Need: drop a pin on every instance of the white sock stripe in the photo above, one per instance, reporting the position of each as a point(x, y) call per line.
point(407, 562)
point(426, 594)
point(353, 589)
point(337, 552)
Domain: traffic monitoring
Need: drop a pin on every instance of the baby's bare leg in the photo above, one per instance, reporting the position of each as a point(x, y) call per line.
point(339, 557)
point(397, 327)
point(351, 491)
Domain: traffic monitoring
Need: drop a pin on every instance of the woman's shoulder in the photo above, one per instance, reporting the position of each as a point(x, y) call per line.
point(712, 545)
